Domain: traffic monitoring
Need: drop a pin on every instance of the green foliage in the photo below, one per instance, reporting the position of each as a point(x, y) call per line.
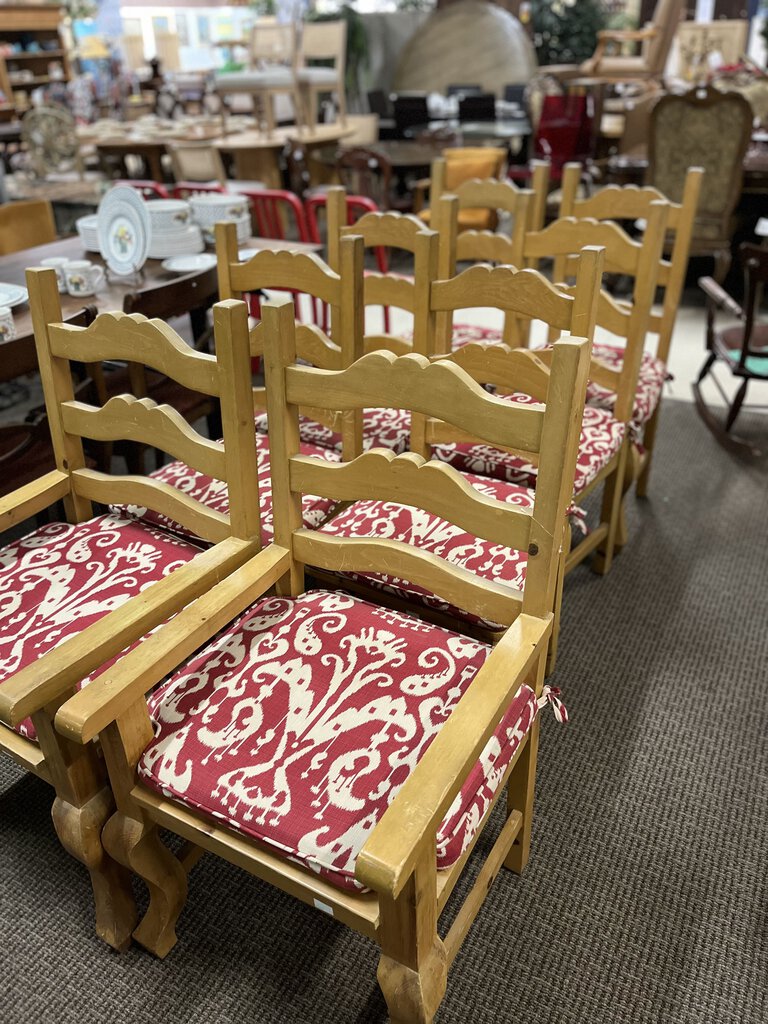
point(565, 31)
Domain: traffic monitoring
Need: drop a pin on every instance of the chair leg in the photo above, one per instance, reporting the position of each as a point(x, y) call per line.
point(413, 968)
point(738, 401)
point(553, 641)
point(612, 513)
point(83, 804)
point(520, 796)
point(342, 100)
point(649, 442)
point(137, 845)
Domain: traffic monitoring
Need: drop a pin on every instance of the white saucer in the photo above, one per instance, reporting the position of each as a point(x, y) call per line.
point(189, 264)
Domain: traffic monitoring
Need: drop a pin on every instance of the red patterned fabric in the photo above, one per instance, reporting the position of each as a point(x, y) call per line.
point(299, 724)
point(392, 521)
point(601, 438)
point(213, 493)
point(650, 383)
point(382, 428)
point(59, 579)
point(466, 334)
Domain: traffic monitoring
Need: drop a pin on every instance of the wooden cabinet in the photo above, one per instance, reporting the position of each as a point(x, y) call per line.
point(32, 53)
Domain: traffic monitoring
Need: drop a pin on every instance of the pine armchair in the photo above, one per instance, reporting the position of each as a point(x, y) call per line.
point(85, 589)
point(385, 862)
point(655, 41)
point(630, 203)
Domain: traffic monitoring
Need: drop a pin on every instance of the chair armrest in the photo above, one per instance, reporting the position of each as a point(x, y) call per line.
point(64, 667)
point(627, 35)
point(387, 859)
point(720, 297)
point(113, 693)
point(32, 498)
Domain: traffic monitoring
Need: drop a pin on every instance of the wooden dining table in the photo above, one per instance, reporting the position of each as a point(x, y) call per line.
point(18, 356)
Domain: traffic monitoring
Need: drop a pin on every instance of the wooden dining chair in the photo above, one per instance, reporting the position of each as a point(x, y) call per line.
point(460, 164)
point(630, 203)
point(340, 289)
point(26, 224)
point(324, 41)
point(386, 861)
point(73, 581)
point(741, 346)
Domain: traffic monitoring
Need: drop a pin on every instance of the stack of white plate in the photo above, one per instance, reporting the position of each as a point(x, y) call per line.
point(212, 208)
point(173, 232)
point(88, 229)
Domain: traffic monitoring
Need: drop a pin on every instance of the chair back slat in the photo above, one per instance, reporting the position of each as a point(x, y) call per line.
point(412, 382)
point(506, 369)
point(496, 602)
point(133, 338)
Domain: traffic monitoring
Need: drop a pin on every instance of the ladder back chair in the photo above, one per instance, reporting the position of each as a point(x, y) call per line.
point(629, 202)
point(72, 621)
point(609, 433)
point(388, 868)
point(340, 290)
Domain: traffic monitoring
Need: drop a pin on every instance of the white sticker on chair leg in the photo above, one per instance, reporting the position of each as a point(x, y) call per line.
point(324, 907)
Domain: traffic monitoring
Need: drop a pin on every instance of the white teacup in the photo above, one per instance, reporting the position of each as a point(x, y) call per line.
point(57, 263)
point(83, 277)
point(7, 326)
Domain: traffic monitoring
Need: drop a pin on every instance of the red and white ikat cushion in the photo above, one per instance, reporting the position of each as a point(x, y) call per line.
point(601, 439)
point(382, 428)
point(298, 725)
point(429, 533)
point(59, 579)
point(650, 384)
point(214, 495)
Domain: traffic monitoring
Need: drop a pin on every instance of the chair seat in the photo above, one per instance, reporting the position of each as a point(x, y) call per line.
point(59, 579)
point(730, 340)
point(650, 384)
point(318, 76)
point(298, 725)
point(252, 81)
point(601, 439)
point(468, 220)
point(214, 494)
point(382, 428)
point(429, 533)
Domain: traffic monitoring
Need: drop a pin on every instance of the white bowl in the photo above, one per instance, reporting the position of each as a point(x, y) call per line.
point(214, 207)
point(169, 214)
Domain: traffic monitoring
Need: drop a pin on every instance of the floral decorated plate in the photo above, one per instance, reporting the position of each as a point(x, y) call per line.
point(125, 230)
point(12, 295)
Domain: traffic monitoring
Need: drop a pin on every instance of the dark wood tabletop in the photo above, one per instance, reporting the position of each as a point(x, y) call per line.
point(18, 356)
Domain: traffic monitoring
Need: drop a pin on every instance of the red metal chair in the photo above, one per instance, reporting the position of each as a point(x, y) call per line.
point(147, 189)
point(185, 189)
point(357, 206)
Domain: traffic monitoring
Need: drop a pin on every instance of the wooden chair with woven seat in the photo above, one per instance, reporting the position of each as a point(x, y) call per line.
point(387, 867)
point(630, 203)
point(742, 347)
point(323, 41)
point(74, 581)
point(26, 224)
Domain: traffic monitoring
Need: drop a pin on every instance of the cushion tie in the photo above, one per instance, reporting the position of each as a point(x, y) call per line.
point(551, 695)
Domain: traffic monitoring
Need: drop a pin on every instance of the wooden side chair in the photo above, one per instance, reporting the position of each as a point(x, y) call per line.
point(387, 867)
point(324, 41)
point(630, 203)
point(71, 619)
point(365, 171)
point(26, 224)
point(197, 162)
point(742, 347)
point(340, 290)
